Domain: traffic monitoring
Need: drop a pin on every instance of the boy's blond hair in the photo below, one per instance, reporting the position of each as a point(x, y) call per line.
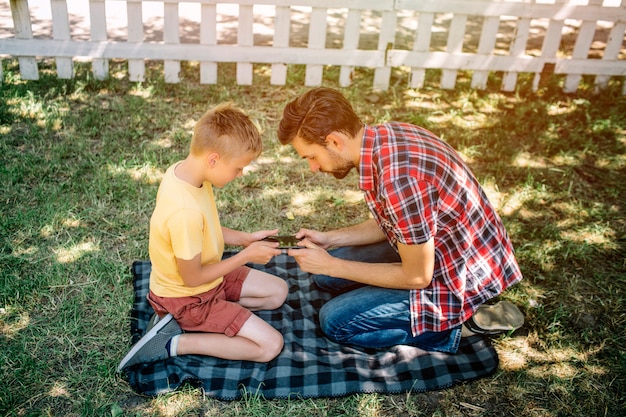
point(226, 130)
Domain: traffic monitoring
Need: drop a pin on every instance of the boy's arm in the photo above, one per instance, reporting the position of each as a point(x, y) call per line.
point(195, 274)
point(235, 237)
point(239, 238)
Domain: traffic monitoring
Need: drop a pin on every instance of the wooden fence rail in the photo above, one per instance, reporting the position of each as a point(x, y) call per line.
point(569, 37)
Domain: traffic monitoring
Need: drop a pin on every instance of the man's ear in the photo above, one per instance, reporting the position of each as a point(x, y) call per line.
point(335, 140)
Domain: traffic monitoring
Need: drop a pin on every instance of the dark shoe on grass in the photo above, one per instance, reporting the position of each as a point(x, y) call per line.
point(153, 345)
point(495, 319)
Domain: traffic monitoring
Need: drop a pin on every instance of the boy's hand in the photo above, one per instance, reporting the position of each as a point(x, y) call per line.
point(261, 252)
point(260, 235)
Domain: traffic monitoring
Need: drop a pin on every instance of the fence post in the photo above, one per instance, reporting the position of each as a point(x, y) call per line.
point(171, 24)
point(455, 45)
point(61, 31)
point(97, 16)
point(550, 44)
point(245, 37)
point(350, 43)
point(136, 67)
point(317, 40)
point(208, 36)
point(386, 38)
point(423, 36)
point(486, 44)
point(517, 49)
point(282, 22)
point(613, 46)
point(23, 30)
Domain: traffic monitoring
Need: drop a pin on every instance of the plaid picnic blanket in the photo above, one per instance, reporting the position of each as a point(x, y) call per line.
point(310, 365)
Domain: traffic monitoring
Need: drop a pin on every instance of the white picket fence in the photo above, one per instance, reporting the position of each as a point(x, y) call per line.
point(569, 37)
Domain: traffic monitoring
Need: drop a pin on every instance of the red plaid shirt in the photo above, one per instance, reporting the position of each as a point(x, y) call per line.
point(417, 187)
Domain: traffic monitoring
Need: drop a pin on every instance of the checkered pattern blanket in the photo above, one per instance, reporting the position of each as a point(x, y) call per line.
point(310, 365)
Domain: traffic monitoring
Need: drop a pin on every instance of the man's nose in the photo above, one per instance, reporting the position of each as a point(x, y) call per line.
point(314, 166)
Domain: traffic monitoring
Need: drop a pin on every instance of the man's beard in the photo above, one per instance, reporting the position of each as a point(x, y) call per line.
point(341, 166)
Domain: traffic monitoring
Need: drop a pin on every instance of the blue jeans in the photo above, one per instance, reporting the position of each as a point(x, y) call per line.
point(374, 317)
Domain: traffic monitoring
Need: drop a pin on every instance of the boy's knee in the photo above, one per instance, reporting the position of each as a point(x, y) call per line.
point(279, 297)
point(272, 348)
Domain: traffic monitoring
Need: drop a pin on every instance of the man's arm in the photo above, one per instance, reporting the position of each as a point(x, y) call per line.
point(364, 233)
point(415, 271)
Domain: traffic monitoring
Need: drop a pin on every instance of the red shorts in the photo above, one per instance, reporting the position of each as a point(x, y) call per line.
point(215, 311)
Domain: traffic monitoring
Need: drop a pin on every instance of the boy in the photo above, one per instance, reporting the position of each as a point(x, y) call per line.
point(191, 287)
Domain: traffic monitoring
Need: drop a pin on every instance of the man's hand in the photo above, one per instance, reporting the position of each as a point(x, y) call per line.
point(319, 239)
point(312, 258)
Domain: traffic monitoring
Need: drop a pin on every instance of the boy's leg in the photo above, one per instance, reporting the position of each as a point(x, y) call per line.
point(263, 291)
point(256, 341)
point(374, 317)
point(252, 340)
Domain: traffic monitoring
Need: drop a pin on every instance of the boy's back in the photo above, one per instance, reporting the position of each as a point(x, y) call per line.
point(185, 222)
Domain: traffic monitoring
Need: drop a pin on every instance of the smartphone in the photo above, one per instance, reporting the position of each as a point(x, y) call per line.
point(284, 242)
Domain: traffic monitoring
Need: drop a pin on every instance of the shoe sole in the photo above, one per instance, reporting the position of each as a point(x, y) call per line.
point(497, 318)
point(145, 339)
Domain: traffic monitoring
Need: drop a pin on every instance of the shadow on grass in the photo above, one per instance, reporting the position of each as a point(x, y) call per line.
point(81, 163)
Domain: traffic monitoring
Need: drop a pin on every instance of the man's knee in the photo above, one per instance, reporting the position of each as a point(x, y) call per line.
point(332, 324)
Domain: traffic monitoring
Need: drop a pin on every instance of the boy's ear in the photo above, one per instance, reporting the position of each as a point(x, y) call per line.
point(212, 159)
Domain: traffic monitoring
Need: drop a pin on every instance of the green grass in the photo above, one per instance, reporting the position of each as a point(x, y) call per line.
point(81, 161)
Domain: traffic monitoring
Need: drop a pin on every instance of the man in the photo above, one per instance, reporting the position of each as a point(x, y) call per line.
point(420, 271)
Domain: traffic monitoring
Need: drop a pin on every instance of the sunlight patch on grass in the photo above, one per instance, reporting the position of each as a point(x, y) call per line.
point(602, 237)
point(264, 161)
point(16, 325)
point(370, 405)
point(304, 202)
point(563, 371)
point(75, 252)
point(613, 162)
point(562, 108)
point(146, 173)
point(526, 160)
point(58, 390)
point(178, 404)
point(19, 252)
point(49, 230)
point(566, 160)
point(164, 142)
point(508, 203)
point(140, 91)
point(520, 354)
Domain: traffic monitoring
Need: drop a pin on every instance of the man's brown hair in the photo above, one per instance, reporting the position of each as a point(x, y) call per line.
point(316, 114)
point(227, 130)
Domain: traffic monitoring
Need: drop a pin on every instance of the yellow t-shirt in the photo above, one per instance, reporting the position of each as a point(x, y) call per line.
point(184, 223)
